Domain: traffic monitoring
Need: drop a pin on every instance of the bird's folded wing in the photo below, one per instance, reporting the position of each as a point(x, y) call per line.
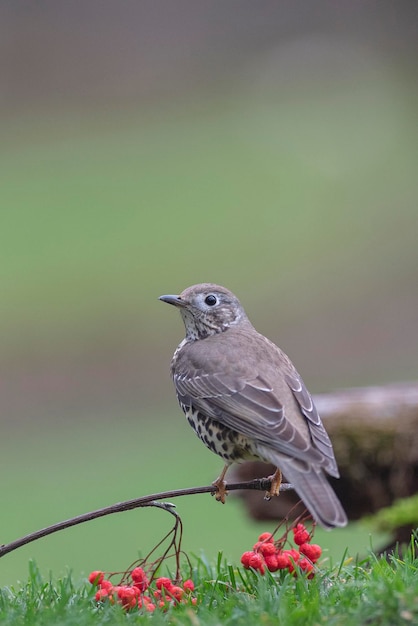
point(248, 406)
point(316, 428)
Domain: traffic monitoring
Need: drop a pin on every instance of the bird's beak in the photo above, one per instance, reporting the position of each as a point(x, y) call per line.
point(175, 300)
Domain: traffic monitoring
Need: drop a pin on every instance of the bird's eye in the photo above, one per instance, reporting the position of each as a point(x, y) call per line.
point(211, 300)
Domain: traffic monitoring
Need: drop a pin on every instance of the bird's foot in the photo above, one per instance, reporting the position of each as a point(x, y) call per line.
point(220, 491)
point(276, 481)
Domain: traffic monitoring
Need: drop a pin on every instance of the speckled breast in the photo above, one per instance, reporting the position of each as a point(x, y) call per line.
point(232, 446)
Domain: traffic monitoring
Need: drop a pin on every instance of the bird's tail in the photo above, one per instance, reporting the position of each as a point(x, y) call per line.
point(313, 488)
point(318, 496)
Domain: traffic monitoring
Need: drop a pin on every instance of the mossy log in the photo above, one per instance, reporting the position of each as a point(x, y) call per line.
point(374, 432)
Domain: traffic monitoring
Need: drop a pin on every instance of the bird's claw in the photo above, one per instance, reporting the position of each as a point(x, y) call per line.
point(276, 481)
point(220, 492)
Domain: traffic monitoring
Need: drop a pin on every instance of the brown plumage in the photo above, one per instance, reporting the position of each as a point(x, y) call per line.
point(245, 400)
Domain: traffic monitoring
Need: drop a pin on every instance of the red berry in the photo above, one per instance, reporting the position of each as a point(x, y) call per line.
point(146, 599)
point(130, 599)
point(311, 550)
point(256, 562)
point(283, 560)
point(293, 556)
point(267, 549)
point(101, 595)
point(245, 559)
point(188, 585)
point(138, 575)
point(271, 562)
point(302, 536)
point(307, 567)
point(147, 603)
point(177, 592)
point(96, 577)
point(165, 583)
point(268, 537)
point(140, 578)
point(299, 527)
point(125, 593)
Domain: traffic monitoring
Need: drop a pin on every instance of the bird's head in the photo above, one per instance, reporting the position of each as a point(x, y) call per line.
point(207, 309)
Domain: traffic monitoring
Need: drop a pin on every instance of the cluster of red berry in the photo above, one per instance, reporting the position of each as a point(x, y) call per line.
point(270, 554)
point(140, 594)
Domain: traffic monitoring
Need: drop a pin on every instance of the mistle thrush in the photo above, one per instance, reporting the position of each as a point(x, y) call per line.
point(246, 401)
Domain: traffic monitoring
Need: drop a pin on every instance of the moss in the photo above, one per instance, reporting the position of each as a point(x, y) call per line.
point(403, 512)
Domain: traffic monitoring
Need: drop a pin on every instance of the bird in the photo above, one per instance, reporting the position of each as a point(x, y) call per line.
point(246, 401)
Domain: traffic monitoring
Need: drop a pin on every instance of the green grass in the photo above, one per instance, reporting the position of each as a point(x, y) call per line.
point(377, 591)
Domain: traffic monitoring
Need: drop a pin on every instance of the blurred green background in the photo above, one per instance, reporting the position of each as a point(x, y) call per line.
point(270, 147)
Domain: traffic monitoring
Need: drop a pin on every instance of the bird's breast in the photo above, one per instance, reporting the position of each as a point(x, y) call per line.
point(229, 444)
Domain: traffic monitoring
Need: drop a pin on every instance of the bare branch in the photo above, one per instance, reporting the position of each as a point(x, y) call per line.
point(262, 484)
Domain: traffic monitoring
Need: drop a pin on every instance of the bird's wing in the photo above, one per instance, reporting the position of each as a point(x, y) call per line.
point(317, 431)
point(247, 405)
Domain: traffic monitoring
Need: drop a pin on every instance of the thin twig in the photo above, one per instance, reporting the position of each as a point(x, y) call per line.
point(261, 484)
